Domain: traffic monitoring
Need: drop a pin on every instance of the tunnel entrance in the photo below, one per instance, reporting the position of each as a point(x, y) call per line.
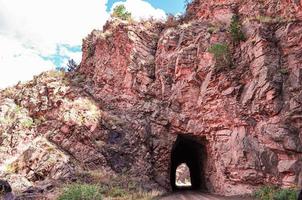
point(188, 151)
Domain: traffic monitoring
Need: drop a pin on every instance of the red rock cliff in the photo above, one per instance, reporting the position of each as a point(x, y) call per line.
point(247, 115)
point(154, 84)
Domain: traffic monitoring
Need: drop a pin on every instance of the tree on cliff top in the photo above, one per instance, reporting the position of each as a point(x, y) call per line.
point(121, 13)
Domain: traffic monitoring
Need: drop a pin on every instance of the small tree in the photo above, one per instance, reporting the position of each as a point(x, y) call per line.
point(71, 65)
point(121, 12)
point(235, 30)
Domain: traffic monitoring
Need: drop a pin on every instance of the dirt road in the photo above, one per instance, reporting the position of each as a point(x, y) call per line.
point(189, 195)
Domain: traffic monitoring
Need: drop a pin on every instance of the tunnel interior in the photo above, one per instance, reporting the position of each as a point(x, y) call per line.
point(190, 151)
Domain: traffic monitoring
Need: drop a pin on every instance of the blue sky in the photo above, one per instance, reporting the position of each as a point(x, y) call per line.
point(37, 36)
point(169, 6)
point(59, 58)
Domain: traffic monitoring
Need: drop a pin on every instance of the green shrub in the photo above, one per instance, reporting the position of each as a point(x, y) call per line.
point(121, 13)
point(219, 50)
point(286, 194)
point(27, 123)
point(235, 30)
point(275, 193)
point(213, 29)
point(221, 54)
point(265, 193)
point(81, 192)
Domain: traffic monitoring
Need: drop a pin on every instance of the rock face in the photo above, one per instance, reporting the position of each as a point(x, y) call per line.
point(142, 85)
point(220, 9)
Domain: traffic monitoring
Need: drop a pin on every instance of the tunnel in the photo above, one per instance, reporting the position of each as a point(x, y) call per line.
point(190, 151)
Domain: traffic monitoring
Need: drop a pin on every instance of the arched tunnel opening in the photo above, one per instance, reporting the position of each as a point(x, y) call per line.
point(189, 152)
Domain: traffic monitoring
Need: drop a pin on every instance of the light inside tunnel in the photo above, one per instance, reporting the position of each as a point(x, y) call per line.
point(183, 178)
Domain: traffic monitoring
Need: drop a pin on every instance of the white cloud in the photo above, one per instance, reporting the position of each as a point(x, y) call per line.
point(76, 56)
point(30, 29)
point(43, 24)
point(142, 10)
point(18, 63)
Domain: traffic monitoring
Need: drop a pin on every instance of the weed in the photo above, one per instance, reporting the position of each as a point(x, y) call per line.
point(275, 193)
point(219, 50)
point(81, 192)
point(286, 194)
point(111, 190)
point(265, 193)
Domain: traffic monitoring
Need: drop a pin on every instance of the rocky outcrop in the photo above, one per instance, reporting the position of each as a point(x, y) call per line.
point(220, 10)
point(140, 85)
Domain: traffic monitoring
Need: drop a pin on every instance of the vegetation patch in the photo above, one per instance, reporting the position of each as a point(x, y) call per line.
point(77, 191)
point(121, 13)
point(81, 192)
point(284, 71)
point(27, 122)
point(213, 29)
point(118, 193)
point(122, 187)
point(222, 55)
point(236, 30)
point(13, 115)
point(275, 193)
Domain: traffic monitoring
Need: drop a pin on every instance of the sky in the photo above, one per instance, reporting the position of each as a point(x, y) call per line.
point(169, 6)
point(40, 35)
